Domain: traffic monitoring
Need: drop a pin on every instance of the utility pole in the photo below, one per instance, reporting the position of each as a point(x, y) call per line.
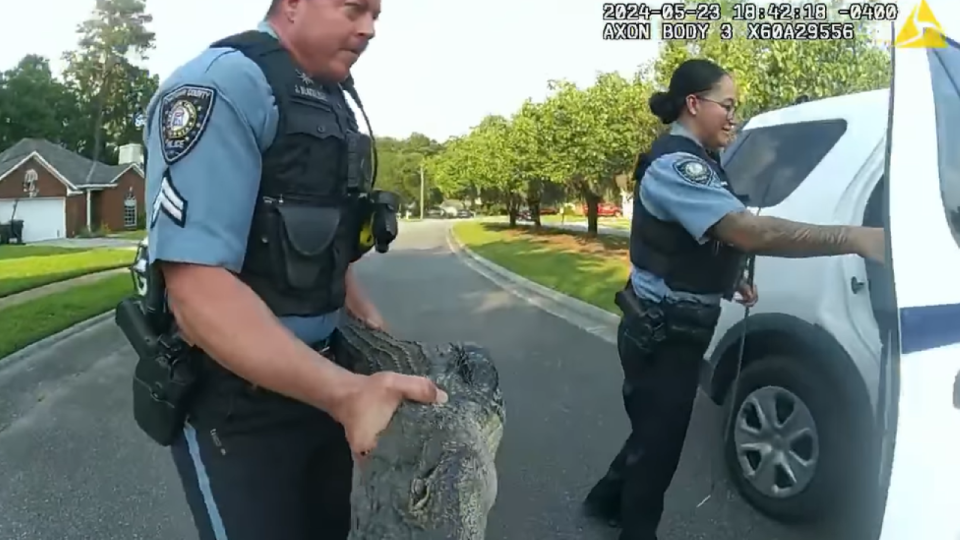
point(421, 190)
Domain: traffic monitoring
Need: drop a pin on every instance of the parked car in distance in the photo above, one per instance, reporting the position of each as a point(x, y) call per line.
point(604, 209)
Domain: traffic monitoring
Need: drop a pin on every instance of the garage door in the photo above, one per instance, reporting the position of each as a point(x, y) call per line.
point(43, 219)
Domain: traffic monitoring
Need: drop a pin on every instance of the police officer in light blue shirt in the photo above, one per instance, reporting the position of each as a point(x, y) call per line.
point(689, 240)
point(252, 162)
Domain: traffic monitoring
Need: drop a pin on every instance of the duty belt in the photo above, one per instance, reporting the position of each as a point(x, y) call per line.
point(676, 313)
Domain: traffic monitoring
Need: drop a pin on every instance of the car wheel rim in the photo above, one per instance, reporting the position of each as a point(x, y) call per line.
point(776, 442)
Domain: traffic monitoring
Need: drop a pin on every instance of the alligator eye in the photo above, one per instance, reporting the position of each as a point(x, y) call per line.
point(419, 493)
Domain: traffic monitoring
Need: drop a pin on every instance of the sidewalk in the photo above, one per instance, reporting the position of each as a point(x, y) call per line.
point(51, 288)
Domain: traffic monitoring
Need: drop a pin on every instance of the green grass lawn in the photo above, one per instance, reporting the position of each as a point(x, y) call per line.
point(27, 267)
point(591, 269)
point(11, 251)
point(23, 324)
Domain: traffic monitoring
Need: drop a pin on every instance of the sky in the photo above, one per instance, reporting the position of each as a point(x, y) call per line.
point(436, 66)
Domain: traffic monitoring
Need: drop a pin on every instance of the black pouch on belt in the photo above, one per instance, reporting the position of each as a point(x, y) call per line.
point(694, 320)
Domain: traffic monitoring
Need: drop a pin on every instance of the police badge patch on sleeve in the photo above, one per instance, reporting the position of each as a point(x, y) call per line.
point(184, 113)
point(694, 170)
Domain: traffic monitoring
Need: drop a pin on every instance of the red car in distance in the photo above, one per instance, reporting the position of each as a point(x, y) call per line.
point(604, 209)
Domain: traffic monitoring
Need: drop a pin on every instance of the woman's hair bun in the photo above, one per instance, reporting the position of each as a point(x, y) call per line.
point(664, 107)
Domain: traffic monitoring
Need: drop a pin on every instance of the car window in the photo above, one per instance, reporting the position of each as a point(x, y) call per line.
point(945, 78)
point(766, 164)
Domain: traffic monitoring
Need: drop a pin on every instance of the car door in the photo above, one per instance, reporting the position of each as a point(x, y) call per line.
point(922, 437)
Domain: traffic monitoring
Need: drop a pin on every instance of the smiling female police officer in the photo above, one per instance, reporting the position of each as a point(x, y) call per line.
point(250, 147)
point(689, 238)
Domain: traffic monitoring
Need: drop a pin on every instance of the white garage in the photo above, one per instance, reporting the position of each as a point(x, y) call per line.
point(44, 218)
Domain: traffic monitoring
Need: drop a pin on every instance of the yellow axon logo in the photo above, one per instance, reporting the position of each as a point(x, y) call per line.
point(921, 31)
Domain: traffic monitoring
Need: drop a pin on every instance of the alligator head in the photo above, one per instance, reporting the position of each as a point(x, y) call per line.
point(432, 475)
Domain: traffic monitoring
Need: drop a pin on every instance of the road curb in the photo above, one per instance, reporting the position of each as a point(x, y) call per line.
point(587, 317)
point(43, 291)
point(52, 340)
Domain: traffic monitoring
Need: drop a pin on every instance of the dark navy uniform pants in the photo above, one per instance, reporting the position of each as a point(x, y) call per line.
point(660, 351)
point(256, 465)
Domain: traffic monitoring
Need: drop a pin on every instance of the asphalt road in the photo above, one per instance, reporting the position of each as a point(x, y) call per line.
point(74, 466)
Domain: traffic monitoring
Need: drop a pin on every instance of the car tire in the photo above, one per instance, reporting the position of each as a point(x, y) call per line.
point(794, 387)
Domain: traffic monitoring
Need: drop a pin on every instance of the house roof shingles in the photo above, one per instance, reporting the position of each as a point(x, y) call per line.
point(72, 166)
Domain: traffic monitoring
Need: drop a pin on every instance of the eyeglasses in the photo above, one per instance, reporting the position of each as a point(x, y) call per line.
point(729, 107)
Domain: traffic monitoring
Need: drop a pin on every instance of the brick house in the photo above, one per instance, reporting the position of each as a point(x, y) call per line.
point(60, 194)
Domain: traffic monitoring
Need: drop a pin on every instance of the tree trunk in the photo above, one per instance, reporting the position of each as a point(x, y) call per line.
point(98, 121)
point(593, 203)
point(534, 206)
point(512, 210)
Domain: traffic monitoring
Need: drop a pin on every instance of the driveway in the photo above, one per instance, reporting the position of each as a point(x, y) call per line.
point(76, 467)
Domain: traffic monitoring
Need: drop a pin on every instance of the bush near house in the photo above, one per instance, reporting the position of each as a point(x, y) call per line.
point(29, 322)
point(27, 267)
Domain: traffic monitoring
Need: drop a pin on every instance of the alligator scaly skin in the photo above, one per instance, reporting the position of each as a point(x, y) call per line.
point(432, 475)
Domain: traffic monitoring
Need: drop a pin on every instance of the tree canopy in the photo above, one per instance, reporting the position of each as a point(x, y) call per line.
point(92, 108)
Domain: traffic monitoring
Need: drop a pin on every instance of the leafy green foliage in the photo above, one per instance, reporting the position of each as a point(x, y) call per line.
point(92, 109)
point(584, 141)
point(35, 104)
point(398, 169)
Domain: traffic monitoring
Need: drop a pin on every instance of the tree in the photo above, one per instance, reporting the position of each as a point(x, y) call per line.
point(399, 167)
point(447, 174)
point(529, 152)
point(102, 71)
point(34, 104)
point(596, 134)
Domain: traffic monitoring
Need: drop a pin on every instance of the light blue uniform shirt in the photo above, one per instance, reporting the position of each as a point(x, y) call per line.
point(203, 176)
point(696, 206)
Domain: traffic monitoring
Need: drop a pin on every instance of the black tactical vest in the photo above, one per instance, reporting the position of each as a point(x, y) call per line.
point(667, 250)
point(305, 224)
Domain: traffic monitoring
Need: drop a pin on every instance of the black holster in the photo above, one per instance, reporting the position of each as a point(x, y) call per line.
point(165, 378)
point(683, 320)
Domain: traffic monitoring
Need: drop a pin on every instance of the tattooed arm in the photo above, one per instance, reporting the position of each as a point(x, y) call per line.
point(772, 236)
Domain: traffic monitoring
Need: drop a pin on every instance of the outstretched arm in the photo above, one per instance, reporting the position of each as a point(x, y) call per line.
point(767, 235)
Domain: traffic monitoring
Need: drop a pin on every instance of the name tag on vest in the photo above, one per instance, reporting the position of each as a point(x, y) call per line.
point(310, 93)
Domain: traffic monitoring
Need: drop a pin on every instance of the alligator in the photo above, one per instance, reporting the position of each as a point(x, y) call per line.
point(432, 474)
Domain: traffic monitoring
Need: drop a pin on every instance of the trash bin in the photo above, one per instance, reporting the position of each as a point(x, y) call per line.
point(4, 233)
point(16, 230)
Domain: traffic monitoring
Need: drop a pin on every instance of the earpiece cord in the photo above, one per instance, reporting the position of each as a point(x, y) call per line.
point(349, 87)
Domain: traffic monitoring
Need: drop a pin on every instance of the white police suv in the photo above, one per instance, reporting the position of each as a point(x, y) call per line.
point(842, 358)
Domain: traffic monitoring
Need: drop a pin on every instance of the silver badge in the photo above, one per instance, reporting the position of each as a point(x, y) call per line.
point(694, 170)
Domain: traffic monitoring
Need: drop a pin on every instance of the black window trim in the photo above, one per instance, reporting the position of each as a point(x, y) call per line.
point(952, 215)
point(746, 135)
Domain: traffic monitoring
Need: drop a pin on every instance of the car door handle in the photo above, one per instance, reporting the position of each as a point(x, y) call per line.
point(856, 285)
point(956, 391)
